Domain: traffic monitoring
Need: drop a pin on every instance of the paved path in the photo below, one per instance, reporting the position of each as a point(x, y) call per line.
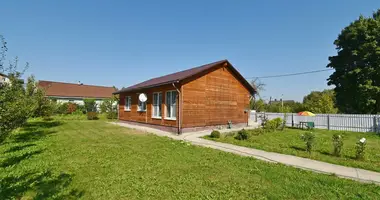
point(303, 163)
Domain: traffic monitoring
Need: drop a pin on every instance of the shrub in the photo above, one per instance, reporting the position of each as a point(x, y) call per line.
point(61, 108)
point(71, 107)
point(81, 109)
point(308, 138)
point(360, 148)
point(215, 134)
point(92, 116)
point(273, 124)
point(242, 135)
point(338, 144)
point(257, 131)
point(90, 105)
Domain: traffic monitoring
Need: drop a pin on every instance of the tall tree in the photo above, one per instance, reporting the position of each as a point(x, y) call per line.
point(256, 102)
point(320, 102)
point(357, 66)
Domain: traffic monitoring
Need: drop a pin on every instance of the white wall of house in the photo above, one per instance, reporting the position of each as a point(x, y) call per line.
point(4, 79)
point(77, 100)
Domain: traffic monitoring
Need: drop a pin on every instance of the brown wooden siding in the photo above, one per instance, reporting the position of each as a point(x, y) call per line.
point(146, 117)
point(214, 99)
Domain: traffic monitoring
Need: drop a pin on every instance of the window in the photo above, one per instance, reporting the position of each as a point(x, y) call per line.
point(141, 106)
point(171, 100)
point(127, 105)
point(157, 101)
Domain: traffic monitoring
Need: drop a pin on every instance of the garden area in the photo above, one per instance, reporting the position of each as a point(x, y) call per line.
point(86, 159)
point(353, 149)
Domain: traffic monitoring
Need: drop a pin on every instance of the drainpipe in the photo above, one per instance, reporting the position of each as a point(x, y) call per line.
point(179, 108)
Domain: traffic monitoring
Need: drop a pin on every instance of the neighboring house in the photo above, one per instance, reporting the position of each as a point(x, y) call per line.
point(3, 78)
point(199, 98)
point(71, 92)
point(275, 101)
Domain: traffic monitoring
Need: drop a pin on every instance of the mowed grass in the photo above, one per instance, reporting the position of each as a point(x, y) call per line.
point(71, 159)
point(289, 142)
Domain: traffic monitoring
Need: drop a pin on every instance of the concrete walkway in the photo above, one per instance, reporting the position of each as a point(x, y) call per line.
point(298, 162)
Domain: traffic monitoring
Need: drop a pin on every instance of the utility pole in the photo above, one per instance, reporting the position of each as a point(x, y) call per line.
point(282, 102)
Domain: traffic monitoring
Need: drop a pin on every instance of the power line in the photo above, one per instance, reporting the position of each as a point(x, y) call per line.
point(293, 74)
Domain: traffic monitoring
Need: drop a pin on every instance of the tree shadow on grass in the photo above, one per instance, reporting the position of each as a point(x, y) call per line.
point(325, 152)
point(19, 147)
point(298, 148)
point(38, 185)
point(42, 124)
point(33, 131)
point(31, 135)
point(17, 159)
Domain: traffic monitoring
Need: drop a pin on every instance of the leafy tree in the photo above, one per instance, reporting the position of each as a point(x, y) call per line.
point(17, 103)
point(258, 105)
point(256, 102)
point(357, 66)
point(320, 102)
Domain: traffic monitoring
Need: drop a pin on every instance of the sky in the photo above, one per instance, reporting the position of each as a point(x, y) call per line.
point(121, 43)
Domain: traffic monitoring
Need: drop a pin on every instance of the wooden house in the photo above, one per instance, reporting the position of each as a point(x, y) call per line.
point(204, 97)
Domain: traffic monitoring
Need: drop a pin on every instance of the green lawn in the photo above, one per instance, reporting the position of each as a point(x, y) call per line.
point(289, 142)
point(71, 159)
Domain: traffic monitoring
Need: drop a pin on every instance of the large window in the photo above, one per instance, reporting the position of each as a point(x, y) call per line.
point(127, 105)
point(157, 101)
point(171, 102)
point(141, 106)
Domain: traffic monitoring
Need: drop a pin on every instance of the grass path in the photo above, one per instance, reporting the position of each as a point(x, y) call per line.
point(96, 160)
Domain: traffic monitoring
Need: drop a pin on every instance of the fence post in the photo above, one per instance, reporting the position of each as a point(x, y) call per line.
point(374, 124)
point(256, 116)
point(328, 122)
point(292, 120)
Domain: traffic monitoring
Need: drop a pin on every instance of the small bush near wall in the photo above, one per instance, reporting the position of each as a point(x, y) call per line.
point(273, 124)
point(215, 134)
point(242, 135)
point(92, 116)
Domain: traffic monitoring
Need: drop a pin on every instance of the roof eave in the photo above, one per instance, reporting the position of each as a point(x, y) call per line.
point(142, 88)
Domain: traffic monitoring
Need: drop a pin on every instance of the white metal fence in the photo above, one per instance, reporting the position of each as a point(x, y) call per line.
point(343, 122)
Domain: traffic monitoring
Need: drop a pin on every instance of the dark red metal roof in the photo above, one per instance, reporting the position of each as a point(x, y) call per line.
point(178, 76)
point(59, 89)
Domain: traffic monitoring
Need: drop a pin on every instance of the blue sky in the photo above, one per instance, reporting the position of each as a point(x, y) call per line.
point(121, 43)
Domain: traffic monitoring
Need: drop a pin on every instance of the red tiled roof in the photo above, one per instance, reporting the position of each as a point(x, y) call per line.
point(59, 89)
point(178, 76)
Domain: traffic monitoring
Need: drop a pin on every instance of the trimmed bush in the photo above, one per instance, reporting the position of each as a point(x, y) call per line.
point(360, 148)
point(242, 135)
point(338, 144)
point(215, 134)
point(308, 138)
point(92, 115)
point(273, 124)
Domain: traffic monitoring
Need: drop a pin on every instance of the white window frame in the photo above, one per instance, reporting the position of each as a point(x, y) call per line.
point(174, 105)
point(159, 104)
point(138, 104)
point(127, 103)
